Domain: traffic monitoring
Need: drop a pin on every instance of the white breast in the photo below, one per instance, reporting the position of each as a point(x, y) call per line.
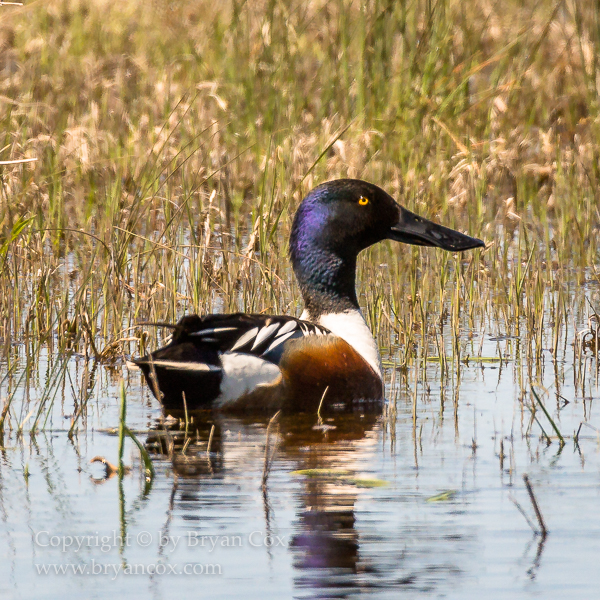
point(350, 325)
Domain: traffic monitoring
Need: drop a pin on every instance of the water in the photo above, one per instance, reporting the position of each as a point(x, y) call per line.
point(393, 506)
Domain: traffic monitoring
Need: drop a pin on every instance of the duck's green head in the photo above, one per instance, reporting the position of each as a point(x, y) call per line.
point(339, 219)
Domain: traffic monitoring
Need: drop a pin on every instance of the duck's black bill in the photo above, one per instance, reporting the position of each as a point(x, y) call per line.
point(412, 229)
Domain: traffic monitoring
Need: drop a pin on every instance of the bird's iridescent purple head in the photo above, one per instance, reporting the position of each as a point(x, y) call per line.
point(339, 219)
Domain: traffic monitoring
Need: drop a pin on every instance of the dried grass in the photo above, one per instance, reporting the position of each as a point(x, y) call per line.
point(174, 142)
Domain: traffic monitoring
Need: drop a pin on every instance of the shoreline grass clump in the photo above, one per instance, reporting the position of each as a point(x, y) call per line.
point(173, 143)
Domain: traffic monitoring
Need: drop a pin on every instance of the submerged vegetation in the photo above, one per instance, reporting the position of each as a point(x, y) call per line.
point(169, 144)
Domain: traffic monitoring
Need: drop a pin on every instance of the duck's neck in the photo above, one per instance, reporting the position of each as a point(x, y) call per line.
point(327, 281)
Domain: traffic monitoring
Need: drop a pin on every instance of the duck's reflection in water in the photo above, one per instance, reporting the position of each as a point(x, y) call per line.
point(334, 458)
point(194, 452)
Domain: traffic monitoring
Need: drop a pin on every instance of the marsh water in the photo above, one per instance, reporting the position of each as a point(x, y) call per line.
point(418, 502)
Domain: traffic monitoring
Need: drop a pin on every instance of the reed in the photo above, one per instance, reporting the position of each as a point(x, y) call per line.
point(150, 165)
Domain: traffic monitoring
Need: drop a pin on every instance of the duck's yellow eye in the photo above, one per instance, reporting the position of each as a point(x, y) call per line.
point(363, 201)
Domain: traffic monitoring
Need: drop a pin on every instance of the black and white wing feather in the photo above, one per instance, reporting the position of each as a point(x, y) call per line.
point(263, 336)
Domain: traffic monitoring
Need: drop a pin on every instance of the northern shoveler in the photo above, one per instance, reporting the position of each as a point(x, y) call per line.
point(325, 359)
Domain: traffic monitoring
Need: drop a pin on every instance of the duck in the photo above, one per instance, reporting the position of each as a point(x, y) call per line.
point(325, 360)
